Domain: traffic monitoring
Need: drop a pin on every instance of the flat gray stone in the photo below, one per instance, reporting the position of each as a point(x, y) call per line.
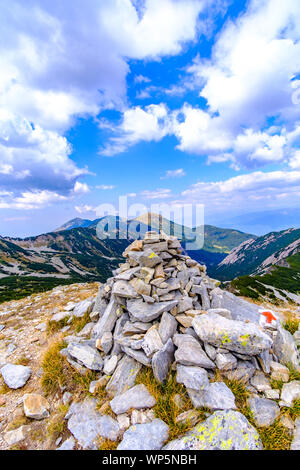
point(190, 353)
point(15, 376)
point(85, 355)
point(226, 361)
point(162, 361)
point(145, 312)
point(124, 289)
point(16, 435)
point(285, 348)
point(108, 319)
point(123, 377)
point(264, 411)
point(237, 336)
point(86, 424)
point(223, 430)
point(139, 356)
point(83, 307)
point(243, 372)
point(167, 327)
point(260, 382)
point(195, 378)
point(152, 342)
point(289, 393)
point(217, 396)
point(148, 436)
point(137, 397)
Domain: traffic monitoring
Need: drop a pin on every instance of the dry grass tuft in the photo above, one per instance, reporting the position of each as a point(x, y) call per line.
point(58, 425)
point(275, 437)
point(107, 444)
point(291, 324)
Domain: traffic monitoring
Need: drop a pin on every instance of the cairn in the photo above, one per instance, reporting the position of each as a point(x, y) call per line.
point(161, 310)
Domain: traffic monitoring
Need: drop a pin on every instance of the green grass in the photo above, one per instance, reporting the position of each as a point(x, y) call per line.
point(275, 437)
point(291, 325)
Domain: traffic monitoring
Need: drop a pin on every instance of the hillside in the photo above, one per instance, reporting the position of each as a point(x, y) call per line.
point(249, 256)
point(76, 254)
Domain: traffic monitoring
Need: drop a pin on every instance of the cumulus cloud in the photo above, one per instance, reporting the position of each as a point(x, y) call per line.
point(138, 124)
point(267, 189)
point(63, 60)
point(105, 187)
point(156, 194)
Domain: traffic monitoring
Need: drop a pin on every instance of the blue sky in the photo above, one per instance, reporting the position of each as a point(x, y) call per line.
point(166, 101)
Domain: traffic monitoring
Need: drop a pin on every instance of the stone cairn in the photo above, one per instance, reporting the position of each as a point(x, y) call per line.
point(161, 310)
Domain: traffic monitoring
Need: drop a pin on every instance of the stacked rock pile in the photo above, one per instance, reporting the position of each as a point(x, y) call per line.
point(161, 310)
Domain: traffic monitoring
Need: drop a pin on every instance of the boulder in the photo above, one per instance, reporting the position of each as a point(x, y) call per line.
point(236, 336)
point(264, 411)
point(162, 361)
point(195, 378)
point(223, 430)
point(85, 355)
point(217, 396)
point(145, 312)
point(35, 406)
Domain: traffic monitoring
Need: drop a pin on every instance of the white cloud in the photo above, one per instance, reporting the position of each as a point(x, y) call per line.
point(85, 208)
point(156, 194)
point(259, 188)
point(32, 200)
point(60, 61)
point(81, 188)
point(173, 174)
point(149, 124)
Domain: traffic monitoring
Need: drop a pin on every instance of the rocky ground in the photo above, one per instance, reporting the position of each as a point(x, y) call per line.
point(160, 358)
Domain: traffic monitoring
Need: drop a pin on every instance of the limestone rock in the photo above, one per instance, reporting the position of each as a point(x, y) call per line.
point(279, 372)
point(162, 361)
point(217, 396)
point(192, 377)
point(290, 392)
point(285, 348)
point(124, 376)
point(137, 397)
point(237, 336)
point(85, 355)
point(264, 411)
point(296, 440)
point(148, 436)
point(223, 430)
point(152, 342)
point(35, 406)
point(16, 435)
point(167, 327)
point(15, 376)
point(190, 353)
point(142, 311)
point(68, 444)
point(83, 307)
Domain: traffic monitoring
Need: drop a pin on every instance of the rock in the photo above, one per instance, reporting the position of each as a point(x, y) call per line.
point(240, 309)
point(68, 444)
point(124, 376)
point(140, 286)
point(60, 316)
point(287, 422)
point(142, 311)
point(148, 436)
point(162, 361)
point(144, 258)
point(137, 397)
point(86, 330)
point(289, 393)
point(186, 303)
point(142, 417)
point(85, 355)
point(237, 336)
point(86, 424)
point(128, 274)
point(210, 351)
point(285, 348)
point(16, 435)
point(124, 289)
point(190, 416)
point(167, 327)
point(152, 342)
point(295, 445)
point(83, 307)
point(105, 343)
point(226, 361)
point(192, 377)
point(223, 430)
point(184, 320)
point(224, 312)
point(272, 394)
point(279, 371)
point(217, 396)
point(137, 355)
point(123, 422)
point(35, 406)
point(110, 364)
point(15, 376)
point(243, 372)
point(108, 319)
point(67, 398)
point(264, 411)
point(190, 353)
point(260, 382)
point(264, 360)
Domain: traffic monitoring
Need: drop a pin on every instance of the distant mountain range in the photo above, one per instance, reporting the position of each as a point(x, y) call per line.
point(74, 253)
point(254, 266)
point(266, 267)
